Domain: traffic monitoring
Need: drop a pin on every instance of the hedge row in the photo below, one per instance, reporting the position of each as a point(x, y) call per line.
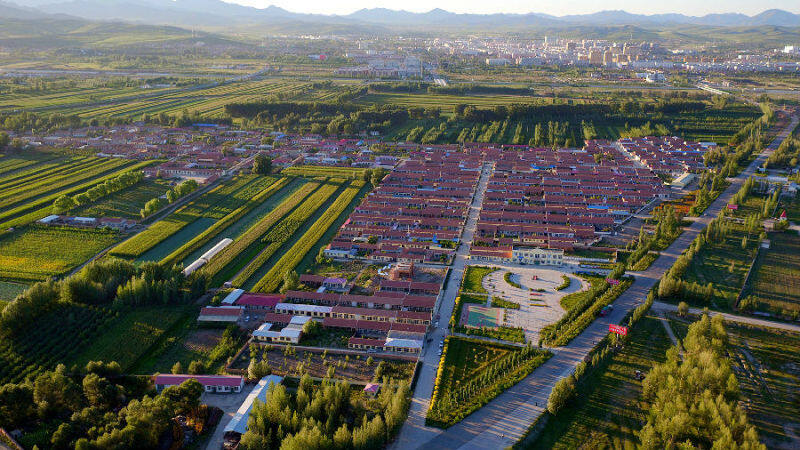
point(42, 207)
point(284, 230)
point(246, 241)
point(272, 280)
point(571, 325)
point(185, 215)
point(203, 238)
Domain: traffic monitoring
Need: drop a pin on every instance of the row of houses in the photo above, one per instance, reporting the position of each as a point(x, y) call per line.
point(415, 215)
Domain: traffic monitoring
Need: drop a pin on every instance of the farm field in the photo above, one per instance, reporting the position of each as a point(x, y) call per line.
point(33, 199)
point(208, 100)
point(276, 194)
point(36, 252)
point(132, 335)
point(775, 280)
point(8, 291)
point(473, 373)
point(184, 342)
point(126, 203)
point(293, 256)
point(607, 409)
point(766, 363)
point(283, 235)
point(159, 239)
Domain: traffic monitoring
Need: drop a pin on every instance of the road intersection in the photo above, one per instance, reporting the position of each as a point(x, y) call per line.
point(504, 420)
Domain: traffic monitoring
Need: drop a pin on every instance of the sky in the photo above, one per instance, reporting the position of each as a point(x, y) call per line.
point(554, 7)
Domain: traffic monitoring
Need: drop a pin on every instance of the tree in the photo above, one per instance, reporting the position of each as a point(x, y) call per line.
point(63, 203)
point(290, 281)
point(4, 139)
point(257, 370)
point(683, 309)
point(16, 405)
point(562, 393)
point(196, 367)
point(177, 368)
point(262, 164)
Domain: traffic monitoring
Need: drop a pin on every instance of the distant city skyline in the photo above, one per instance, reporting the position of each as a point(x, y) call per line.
point(552, 7)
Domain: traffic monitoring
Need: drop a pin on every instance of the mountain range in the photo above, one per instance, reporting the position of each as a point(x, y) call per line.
point(220, 13)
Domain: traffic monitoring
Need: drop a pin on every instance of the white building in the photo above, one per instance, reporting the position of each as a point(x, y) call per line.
point(537, 256)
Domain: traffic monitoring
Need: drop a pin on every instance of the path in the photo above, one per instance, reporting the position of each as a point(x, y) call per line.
point(505, 419)
point(733, 317)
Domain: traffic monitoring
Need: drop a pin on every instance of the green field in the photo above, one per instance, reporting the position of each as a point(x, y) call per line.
point(607, 410)
point(724, 264)
point(473, 278)
point(8, 291)
point(158, 239)
point(132, 336)
point(126, 203)
point(775, 280)
point(37, 252)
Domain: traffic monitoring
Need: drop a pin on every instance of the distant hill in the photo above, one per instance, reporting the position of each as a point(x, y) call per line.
point(218, 13)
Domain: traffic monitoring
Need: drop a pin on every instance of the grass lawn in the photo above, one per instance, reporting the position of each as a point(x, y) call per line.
point(570, 300)
point(767, 365)
point(8, 291)
point(607, 410)
point(473, 278)
point(126, 203)
point(33, 253)
point(776, 276)
point(133, 335)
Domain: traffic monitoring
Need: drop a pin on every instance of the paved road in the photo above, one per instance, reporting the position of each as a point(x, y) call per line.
point(505, 419)
point(733, 317)
point(414, 432)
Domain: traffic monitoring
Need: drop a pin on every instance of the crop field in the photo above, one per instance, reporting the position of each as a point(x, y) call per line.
point(213, 205)
point(289, 261)
point(775, 280)
point(320, 171)
point(126, 203)
point(238, 221)
point(606, 410)
point(445, 102)
point(74, 96)
point(132, 335)
point(30, 198)
point(8, 291)
point(36, 252)
point(284, 234)
point(208, 100)
point(230, 260)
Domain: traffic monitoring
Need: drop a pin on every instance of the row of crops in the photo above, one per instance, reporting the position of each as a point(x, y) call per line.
point(215, 204)
point(292, 257)
point(35, 207)
point(283, 231)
